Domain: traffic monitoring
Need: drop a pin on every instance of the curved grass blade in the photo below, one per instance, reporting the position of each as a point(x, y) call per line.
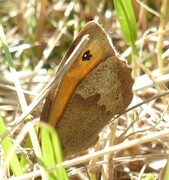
point(11, 156)
point(127, 19)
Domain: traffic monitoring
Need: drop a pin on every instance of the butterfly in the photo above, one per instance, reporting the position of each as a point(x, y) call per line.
point(97, 86)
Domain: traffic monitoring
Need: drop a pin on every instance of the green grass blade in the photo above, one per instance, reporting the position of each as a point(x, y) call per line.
point(166, 174)
point(47, 150)
point(52, 153)
point(127, 20)
point(58, 154)
point(7, 147)
point(37, 150)
point(12, 69)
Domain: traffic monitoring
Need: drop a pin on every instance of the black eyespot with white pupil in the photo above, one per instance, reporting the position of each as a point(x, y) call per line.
point(86, 56)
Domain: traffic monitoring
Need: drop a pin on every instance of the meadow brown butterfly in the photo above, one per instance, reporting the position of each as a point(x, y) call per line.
point(96, 87)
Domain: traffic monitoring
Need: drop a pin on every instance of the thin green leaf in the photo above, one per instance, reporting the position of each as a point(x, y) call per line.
point(127, 19)
point(58, 154)
point(52, 153)
point(47, 151)
point(12, 69)
point(166, 174)
point(37, 150)
point(11, 156)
